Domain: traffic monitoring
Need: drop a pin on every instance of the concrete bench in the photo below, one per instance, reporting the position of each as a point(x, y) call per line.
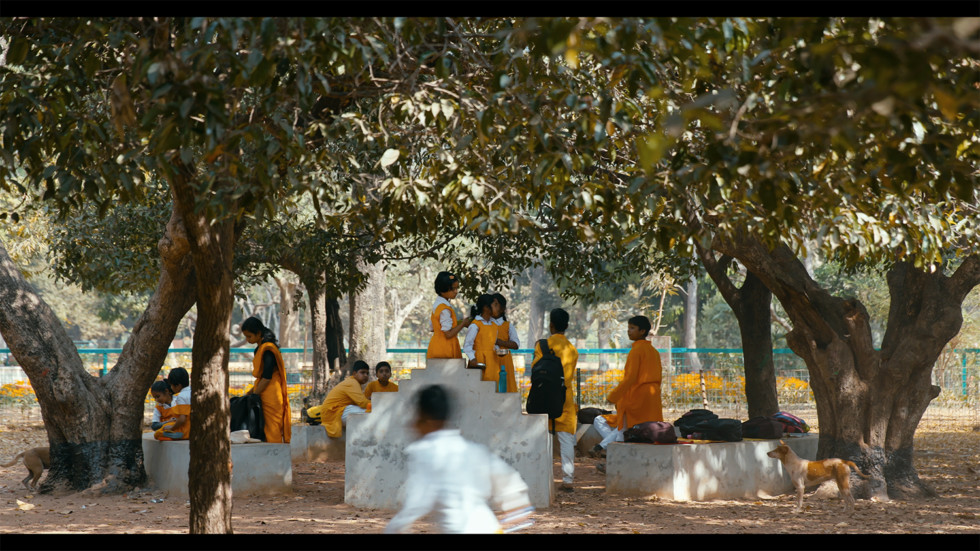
point(311, 443)
point(256, 468)
point(702, 472)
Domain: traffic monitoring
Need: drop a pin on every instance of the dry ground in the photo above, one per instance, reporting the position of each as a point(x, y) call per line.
point(949, 460)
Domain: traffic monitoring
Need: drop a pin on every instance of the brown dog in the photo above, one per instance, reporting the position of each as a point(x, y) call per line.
point(36, 460)
point(808, 473)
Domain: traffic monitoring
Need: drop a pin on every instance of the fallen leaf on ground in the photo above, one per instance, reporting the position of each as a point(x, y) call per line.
point(24, 506)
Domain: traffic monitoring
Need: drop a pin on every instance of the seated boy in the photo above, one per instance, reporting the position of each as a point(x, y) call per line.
point(454, 478)
point(344, 399)
point(384, 383)
point(637, 397)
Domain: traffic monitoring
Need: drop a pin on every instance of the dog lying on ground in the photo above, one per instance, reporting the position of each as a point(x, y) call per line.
point(809, 473)
point(36, 460)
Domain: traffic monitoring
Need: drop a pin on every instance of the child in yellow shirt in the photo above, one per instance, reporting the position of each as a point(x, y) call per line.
point(383, 382)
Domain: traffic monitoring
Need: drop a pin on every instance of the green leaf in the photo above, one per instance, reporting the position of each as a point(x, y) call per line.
point(389, 157)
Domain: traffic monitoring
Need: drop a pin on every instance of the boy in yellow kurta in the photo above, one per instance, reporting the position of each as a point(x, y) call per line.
point(481, 338)
point(567, 423)
point(345, 399)
point(637, 397)
point(444, 342)
point(383, 382)
point(270, 381)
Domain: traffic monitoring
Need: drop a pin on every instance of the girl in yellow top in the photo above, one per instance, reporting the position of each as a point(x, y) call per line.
point(481, 337)
point(507, 340)
point(444, 342)
point(270, 381)
point(172, 417)
point(383, 383)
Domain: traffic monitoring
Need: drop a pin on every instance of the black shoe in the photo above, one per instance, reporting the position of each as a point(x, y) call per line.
point(597, 451)
point(566, 487)
point(601, 467)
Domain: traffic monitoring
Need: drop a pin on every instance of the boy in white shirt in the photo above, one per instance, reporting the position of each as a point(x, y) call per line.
point(454, 478)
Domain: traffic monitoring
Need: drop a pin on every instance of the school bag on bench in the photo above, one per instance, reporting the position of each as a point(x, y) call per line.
point(791, 423)
point(651, 432)
point(762, 427)
point(685, 423)
point(246, 414)
point(729, 430)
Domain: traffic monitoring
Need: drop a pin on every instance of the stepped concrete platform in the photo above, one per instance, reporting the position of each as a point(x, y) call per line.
point(702, 472)
point(311, 443)
point(264, 469)
point(376, 463)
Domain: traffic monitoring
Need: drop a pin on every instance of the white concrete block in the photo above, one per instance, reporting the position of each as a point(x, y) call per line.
point(256, 468)
point(376, 461)
point(702, 472)
point(311, 443)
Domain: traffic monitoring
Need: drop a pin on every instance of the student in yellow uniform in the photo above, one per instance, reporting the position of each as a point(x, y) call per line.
point(567, 423)
point(507, 340)
point(637, 397)
point(345, 399)
point(444, 342)
point(270, 381)
point(481, 337)
point(180, 382)
point(172, 417)
point(383, 382)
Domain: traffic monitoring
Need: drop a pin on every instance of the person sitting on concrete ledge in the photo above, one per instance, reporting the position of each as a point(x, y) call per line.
point(344, 399)
point(637, 396)
point(383, 383)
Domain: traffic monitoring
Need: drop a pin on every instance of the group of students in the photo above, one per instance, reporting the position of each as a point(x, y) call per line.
point(637, 396)
point(172, 417)
point(441, 476)
point(352, 395)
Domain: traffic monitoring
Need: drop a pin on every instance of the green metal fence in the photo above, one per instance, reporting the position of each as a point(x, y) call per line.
point(599, 370)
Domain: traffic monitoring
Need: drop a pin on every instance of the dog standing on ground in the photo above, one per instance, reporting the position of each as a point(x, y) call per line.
point(809, 473)
point(36, 460)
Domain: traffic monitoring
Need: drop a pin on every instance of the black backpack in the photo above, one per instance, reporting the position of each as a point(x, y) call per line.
point(729, 430)
point(762, 427)
point(685, 423)
point(246, 414)
point(547, 394)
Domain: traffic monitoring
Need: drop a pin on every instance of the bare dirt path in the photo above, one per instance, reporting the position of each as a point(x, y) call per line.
point(950, 461)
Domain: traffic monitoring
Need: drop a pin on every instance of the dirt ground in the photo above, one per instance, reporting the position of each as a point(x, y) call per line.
point(950, 461)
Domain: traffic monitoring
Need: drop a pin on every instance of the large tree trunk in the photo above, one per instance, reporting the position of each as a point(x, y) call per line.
point(750, 304)
point(288, 317)
point(212, 249)
point(400, 314)
point(690, 339)
point(535, 315)
point(94, 425)
point(869, 402)
point(336, 351)
point(367, 317)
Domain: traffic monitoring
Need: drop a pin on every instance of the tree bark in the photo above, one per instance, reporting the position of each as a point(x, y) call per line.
point(750, 304)
point(212, 246)
point(399, 315)
point(367, 318)
point(288, 317)
point(535, 315)
point(94, 425)
point(869, 402)
point(691, 323)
